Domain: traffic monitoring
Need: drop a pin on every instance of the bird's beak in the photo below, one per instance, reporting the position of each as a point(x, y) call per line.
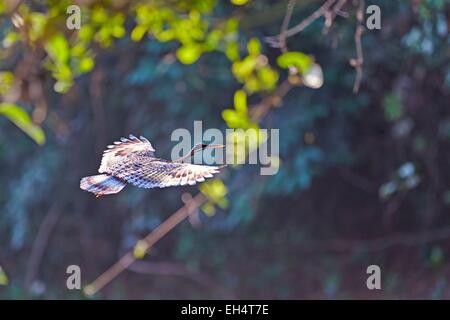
point(215, 146)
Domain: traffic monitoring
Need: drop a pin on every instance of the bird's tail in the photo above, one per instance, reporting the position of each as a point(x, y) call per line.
point(102, 184)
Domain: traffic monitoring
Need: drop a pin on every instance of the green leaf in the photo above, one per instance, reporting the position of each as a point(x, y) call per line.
point(138, 32)
point(3, 277)
point(189, 53)
point(254, 47)
point(214, 189)
point(244, 68)
point(267, 77)
point(21, 119)
point(231, 117)
point(140, 249)
point(298, 60)
point(6, 81)
point(58, 48)
point(240, 102)
point(209, 209)
point(232, 51)
point(38, 22)
point(239, 2)
point(235, 119)
point(11, 38)
point(86, 64)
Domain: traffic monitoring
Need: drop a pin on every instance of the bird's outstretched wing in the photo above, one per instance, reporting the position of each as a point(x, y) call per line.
point(124, 149)
point(160, 174)
point(132, 160)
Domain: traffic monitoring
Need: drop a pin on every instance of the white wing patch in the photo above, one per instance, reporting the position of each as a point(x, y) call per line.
point(121, 149)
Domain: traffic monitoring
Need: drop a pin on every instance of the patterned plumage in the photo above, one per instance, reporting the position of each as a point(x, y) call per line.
point(133, 161)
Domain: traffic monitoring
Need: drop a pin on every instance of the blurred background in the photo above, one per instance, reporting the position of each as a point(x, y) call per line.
point(363, 167)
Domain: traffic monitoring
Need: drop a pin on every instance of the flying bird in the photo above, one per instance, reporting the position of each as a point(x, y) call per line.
point(132, 161)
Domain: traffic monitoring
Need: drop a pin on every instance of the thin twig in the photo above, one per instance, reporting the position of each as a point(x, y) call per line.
point(331, 14)
point(273, 100)
point(285, 25)
point(359, 61)
point(149, 241)
point(274, 41)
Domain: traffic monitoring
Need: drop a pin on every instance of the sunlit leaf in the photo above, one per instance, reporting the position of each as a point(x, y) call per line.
point(267, 77)
point(189, 53)
point(138, 32)
point(244, 68)
point(240, 102)
point(6, 81)
point(234, 119)
point(10, 39)
point(58, 48)
point(62, 86)
point(239, 2)
point(38, 22)
point(214, 189)
point(86, 64)
point(209, 209)
point(298, 60)
point(232, 51)
point(21, 119)
point(254, 47)
point(140, 249)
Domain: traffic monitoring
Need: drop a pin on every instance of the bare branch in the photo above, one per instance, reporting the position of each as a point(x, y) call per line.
point(331, 14)
point(149, 241)
point(272, 100)
point(274, 41)
point(285, 25)
point(358, 62)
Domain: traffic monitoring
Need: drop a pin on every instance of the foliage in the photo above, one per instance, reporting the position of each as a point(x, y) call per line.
point(21, 119)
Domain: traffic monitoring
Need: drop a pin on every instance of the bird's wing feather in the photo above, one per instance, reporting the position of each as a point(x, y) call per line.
point(102, 184)
point(154, 173)
point(123, 149)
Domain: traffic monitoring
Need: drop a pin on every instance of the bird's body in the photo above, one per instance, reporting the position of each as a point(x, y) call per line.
point(132, 161)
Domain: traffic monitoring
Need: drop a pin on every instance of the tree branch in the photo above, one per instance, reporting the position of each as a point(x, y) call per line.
point(285, 25)
point(149, 241)
point(358, 62)
point(274, 41)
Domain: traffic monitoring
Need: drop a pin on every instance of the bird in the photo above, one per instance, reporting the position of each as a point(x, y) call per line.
point(132, 161)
